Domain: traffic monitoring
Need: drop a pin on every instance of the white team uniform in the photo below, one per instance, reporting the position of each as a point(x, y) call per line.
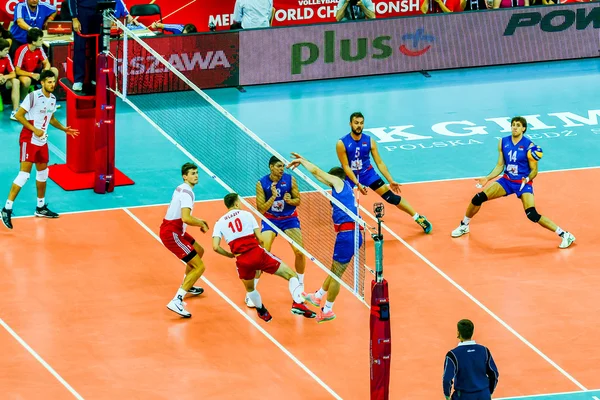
point(39, 113)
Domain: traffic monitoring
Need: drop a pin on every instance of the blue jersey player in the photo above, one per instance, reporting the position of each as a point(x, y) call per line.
point(354, 152)
point(277, 197)
point(344, 225)
point(519, 171)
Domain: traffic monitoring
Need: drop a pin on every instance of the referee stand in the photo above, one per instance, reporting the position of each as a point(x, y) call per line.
point(380, 346)
point(90, 162)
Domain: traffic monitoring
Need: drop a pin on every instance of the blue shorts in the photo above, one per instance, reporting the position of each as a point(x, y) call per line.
point(283, 224)
point(343, 250)
point(365, 178)
point(481, 395)
point(513, 187)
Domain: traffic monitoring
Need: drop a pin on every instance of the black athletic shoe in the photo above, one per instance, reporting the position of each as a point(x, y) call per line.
point(45, 212)
point(264, 314)
point(6, 215)
point(195, 291)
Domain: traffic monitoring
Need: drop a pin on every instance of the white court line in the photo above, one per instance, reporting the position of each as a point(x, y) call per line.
point(56, 151)
point(220, 199)
point(40, 359)
point(243, 314)
point(547, 395)
point(470, 296)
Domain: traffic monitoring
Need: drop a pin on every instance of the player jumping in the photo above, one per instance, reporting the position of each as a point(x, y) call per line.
point(240, 230)
point(518, 158)
point(354, 152)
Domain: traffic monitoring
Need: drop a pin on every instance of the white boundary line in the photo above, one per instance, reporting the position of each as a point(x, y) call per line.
point(480, 304)
point(40, 359)
point(548, 395)
point(243, 314)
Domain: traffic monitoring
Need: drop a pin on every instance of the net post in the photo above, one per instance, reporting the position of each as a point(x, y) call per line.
point(125, 64)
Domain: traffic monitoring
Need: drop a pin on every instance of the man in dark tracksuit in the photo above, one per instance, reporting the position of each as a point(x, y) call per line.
point(86, 21)
point(470, 366)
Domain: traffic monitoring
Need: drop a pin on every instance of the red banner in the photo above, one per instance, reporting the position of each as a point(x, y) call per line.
point(201, 13)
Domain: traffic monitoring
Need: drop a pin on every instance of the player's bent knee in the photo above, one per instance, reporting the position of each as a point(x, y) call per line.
point(479, 199)
point(42, 175)
point(533, 215)
point(21, 178)
point(391, 197)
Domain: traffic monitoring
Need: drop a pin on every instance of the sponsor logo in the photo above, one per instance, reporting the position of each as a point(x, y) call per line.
point(181, 61)
point(554, 21)
point(415, 40)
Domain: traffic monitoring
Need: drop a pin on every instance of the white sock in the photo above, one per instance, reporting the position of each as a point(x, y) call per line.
point(8, 205)
point(301, 278)
point(328, 306)
point(559, 231)
point(255, 297)
point(466, 220)
point(320, 293)
point(41, 202)
point(416, 216)
point(255, 283)
point(295, 290)
point(180, 293)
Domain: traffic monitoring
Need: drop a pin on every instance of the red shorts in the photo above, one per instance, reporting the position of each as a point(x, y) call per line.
point(180, 245)
point(257, 259)
point(34, 154)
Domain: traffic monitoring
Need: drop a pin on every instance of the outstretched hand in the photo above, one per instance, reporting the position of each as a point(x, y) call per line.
point(72, 132)
point(296, 161)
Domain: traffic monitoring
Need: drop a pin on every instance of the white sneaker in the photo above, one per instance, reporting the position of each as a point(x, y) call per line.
point(78, 86)
point(249, 302)
point(461, 230)
point(567, 240)
point(177, 306)
point(13, 115)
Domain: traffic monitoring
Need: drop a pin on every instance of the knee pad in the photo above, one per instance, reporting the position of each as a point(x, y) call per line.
point(479, 199)
point(42, 175)
point(533, 215)
point(391, 197)
point(21, 179)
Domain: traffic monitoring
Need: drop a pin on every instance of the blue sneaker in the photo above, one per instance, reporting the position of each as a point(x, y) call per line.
point(424, 223)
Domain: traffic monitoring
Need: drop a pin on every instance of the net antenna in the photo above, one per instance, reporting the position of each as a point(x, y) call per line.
point(242, 144)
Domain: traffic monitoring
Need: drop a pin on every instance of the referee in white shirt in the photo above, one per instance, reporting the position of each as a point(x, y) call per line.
point(253, 13)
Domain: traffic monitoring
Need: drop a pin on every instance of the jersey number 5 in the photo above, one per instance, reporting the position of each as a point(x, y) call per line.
point(235, 224)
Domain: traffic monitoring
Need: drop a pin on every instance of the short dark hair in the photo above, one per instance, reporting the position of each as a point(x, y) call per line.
point(230, 199)
point(45, 74)
point(190, 28)
point(34, 34)
point(357, 114)
point(187, 167)
point(4, 44)
point(338, 171)
point(274, 160)
point(465, 329)
point(522, 120)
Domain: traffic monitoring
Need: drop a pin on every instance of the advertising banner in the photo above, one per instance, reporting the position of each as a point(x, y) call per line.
point(433, 42)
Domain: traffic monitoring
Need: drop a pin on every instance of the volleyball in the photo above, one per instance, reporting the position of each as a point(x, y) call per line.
point(535, 153)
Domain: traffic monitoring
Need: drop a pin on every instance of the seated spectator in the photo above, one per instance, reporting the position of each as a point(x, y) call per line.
point(351, 10)
point(31, 14)
point(510, 3)
point(30, 60)
point(8, 77)
point(4, 34)
point(475, 5)
point(175, 29)
point(441, 6)
point(251, 14)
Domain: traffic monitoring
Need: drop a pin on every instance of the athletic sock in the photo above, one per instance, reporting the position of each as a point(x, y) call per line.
point(41, 202)
point(328, 307)
point(255, 297)
point(295, 290)
point(320, 293)
point(416, 216)
point(8, 205)
point(301, 278)
point(466, 220)
point(180, 294)
point(255, 283)
point(559, 231)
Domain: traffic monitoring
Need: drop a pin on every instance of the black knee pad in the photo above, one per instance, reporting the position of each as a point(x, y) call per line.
point(479, 199)
point(533, 215)
point(391, 197)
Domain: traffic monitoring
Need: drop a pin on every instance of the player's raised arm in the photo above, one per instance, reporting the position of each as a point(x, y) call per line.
point(262, 203)
point(322, 176)
point(395, 186)
point(340, 149)
point(293, 198)
point(497, 169)
point(189, 219)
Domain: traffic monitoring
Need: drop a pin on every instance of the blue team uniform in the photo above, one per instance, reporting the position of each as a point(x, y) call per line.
point(516, 166)
point(359, 158)
point(281, 214)
point(344, 224)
